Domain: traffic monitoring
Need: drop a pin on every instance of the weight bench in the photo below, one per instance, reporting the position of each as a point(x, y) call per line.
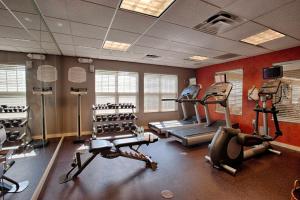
point(111, 150)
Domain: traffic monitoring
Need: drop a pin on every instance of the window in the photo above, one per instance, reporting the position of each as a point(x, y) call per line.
point(12, 85)
point(236, 96)
point(289, 106)
point(157, 87)
point(116, 87)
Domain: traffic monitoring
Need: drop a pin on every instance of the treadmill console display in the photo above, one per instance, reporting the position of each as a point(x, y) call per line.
point(219, 90)
point(190, 91)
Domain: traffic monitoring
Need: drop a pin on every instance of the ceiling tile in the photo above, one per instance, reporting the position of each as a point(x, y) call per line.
point(48, 46)
point(220, 3)
point(19, 43)
point(132, 22)
point(7, 48)
point(286, 19)
point(66, 47)
point(80, 41)
point(153, 42)
point(121, 36)
point(17, 33)
point(89, 31)
point(109, 3)
point(31, 21)
point(90, 13)
point(281, 43)
point(31, 50)
point(54, 8)
point(68, 52)
point(254, 8)
point(246, 49)
point(58, 25)
point(42, 36)
point(21, 5)
point(6, 19)
point(52, 52)
point(243, 31)
point(62, 38)
point(189, 12)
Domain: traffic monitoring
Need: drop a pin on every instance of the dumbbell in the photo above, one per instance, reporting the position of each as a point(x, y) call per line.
point(105, 128)
point(13, 136)
point(114, 117)
point(99, 129)
point(133, 127)
point(7, 124)
point(117, 128)
point(127, 117)
point(104, 117)
point(16, 123)
point(98, 118)
point(121, 116)
point(125, 126)
point(109, 117)
point(132, 116)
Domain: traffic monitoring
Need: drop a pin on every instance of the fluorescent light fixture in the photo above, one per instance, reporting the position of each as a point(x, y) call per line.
point(263, 37)
point(149, 7)
point(198, 58)
point(118, 46)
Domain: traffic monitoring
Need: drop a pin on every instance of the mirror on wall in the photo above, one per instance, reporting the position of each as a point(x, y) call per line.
point(24, 31)
point(289, 106)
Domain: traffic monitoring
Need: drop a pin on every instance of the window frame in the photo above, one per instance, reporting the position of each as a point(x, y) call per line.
point(116, 94)
point(18, 92)
point(160, 94)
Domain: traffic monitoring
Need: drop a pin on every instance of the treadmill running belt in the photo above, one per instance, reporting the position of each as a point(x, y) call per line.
point(196, 130)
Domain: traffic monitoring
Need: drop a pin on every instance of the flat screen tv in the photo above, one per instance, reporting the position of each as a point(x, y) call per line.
point(272, 72)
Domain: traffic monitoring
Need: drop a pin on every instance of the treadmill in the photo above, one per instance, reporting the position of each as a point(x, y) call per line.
point(189, 93)
point(217, 93)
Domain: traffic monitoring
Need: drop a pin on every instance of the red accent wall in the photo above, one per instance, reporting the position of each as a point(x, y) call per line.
point(252, 67)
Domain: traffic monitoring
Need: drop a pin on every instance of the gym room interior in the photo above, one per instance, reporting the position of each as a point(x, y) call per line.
point(149, 99)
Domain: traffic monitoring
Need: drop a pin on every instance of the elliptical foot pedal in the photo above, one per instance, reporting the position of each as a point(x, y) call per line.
point(22, 186)
point(39, 144)
point(64, 179)
point(78, 141)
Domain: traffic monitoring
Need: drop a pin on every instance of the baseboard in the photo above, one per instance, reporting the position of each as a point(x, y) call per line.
point(59, 135)
point(287, 146)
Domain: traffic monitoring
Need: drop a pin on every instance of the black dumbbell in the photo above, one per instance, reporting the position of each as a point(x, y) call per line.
point(99, 130)
point(132, 116)
point(121, 116)
point(133, 127)
point(117, 128)
point(126, 128)
point(124, 124)
point(105, 128)
point(7, 124)
point(16, 123)
point(114, 117)
point(109, 117)
point(98, 118)
point(13, 136)
point(104, 118)
point(130, 124)
point(127, 116)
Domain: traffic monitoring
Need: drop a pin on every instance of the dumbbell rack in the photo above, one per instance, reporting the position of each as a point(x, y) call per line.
point(43, 91)
point(78, 92)
point(101, 119)
point(15, 120)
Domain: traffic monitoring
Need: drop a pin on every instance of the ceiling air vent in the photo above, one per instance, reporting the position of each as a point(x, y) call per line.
point(226, 56)
point(219, 23)
point(152, 56)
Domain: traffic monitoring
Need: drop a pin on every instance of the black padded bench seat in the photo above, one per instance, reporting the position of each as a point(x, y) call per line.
point(132, 141)
point(97, 146)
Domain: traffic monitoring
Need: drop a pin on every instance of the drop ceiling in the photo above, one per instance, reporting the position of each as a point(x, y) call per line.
point(79, 28)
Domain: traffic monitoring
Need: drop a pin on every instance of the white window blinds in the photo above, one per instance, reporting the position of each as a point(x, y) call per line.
point(157, 87)
point(289, 107)
point(235, 99)
point(12, 85)
point(116, 87)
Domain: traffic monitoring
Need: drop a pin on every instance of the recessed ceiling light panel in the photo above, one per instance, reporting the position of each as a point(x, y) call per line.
point(149, 7)
point(263, 37)
point(118, 46)
point(198, 58)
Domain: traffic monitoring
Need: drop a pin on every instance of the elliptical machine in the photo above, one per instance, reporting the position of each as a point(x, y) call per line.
point(227, 147)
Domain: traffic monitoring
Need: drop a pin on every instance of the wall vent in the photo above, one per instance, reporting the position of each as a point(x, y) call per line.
point(219, 23)
point(227, 56)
